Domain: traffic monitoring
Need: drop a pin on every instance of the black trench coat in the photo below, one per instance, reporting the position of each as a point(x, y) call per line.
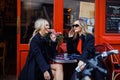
point(88, 52)
point(88, 48)
point(38, 58)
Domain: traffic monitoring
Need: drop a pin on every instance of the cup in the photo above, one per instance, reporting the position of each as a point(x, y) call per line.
point(65, 55)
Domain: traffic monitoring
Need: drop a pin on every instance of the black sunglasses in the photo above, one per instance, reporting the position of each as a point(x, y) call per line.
point(76, 25)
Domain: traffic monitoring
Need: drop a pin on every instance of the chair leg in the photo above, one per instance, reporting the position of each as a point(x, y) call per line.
point(3, 67)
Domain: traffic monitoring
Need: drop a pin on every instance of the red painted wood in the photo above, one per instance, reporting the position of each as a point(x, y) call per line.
point(58, 15)
point(23, 57)
point(100, 35)
point(18, 37)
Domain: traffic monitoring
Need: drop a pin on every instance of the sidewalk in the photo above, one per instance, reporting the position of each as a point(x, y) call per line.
point(8, 77)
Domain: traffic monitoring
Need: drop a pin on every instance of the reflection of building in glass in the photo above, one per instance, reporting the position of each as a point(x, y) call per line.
point(112, 16)
point(119, 27)
point(31, 12)
point(77, 9)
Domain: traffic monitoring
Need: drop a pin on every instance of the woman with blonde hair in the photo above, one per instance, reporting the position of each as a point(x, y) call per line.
point(81, 41)
point(38, 65)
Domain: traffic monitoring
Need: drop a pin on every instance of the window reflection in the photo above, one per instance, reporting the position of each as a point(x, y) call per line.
point(78, 9)
point(112, 16)
point(32, 10)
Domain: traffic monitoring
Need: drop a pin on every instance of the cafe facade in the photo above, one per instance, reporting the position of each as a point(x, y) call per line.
point(101, 16)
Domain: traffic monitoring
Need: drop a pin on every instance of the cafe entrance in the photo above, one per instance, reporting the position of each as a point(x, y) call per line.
point(61, 14)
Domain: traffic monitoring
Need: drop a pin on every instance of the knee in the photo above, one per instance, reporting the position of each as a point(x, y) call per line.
point(59, 66)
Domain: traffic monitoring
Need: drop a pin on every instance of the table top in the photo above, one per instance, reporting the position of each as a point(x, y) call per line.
point(63, 59)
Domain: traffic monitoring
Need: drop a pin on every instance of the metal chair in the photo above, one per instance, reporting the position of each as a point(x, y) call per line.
point(2, 55)
point(100, 48)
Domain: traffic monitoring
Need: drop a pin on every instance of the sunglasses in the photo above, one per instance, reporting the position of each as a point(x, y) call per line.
point(76, 25)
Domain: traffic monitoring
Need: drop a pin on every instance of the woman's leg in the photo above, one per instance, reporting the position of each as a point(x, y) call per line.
point(57, 71)
point(86, 78)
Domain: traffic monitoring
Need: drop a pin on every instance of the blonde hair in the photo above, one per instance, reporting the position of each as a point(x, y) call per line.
point(39, 24)
point(84, 27)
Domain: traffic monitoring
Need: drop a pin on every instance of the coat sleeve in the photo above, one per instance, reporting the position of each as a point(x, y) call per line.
point(52, 49)
point(89, 49)
point(36, 52)
point(71, 45)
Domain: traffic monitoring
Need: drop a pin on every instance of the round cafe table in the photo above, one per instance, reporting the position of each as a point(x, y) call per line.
point(62, 59)
point(68, 65)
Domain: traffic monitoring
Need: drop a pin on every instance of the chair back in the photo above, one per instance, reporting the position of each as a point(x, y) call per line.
point(2, 55)
point(2, 50)
point(100, 48)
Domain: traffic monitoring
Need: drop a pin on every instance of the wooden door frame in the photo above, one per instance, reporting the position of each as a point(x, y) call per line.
point(22, 49)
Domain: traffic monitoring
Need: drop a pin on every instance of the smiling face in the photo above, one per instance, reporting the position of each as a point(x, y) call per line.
point(76, 26)
point(44, 27)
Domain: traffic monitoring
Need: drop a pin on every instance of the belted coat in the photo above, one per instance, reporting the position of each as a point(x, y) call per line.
point(38, 58)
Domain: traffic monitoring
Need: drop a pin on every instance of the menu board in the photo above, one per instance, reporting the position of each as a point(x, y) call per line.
point(112, 16)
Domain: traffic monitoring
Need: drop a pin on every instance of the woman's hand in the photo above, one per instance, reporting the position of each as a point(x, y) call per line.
point(71, 33)
point(81, 64)
point(53, 37)
point(51, 30)
point(47, 75)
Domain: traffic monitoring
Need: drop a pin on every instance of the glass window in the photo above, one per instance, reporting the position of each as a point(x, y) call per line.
point(77, 9)
point(112, 16)
point(32, 10)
